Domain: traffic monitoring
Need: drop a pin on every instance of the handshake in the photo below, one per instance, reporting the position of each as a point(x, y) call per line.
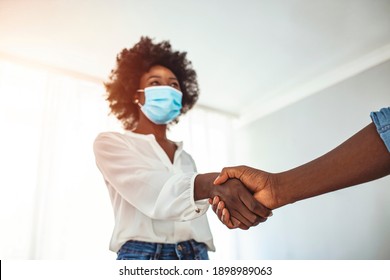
point(244, 197)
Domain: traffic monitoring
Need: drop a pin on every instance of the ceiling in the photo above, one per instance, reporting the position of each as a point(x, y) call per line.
point(251, 56)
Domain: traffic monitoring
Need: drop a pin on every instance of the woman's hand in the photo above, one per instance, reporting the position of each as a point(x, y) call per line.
point(223, 214)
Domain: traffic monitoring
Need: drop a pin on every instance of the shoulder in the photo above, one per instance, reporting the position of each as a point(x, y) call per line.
point(109, 135)
point(110, 139)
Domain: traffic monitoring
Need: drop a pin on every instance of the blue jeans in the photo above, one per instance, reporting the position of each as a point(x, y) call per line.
point(186, 250)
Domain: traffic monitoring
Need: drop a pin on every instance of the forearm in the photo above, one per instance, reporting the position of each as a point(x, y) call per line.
point(360, 159)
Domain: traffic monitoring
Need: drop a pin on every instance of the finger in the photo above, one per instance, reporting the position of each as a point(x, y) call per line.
point(243, 227)
point(243, 212)
point(243, 215)
point(230, 193)
point(245, 207)
point(224, 216)
point(259, 220)
point(222, 178)
point(220, 207)
point(226, 173)
point(216, 200)
point(226, 219)
point(238, 224)
point(231, 222)
point(238, 210)
point(255, 207)
point(215, 203)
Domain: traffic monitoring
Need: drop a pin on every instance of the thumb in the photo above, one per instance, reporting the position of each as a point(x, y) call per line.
point(226, 173)
point(222, 178)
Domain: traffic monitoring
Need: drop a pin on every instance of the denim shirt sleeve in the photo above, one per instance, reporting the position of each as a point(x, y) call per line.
point(381, 120)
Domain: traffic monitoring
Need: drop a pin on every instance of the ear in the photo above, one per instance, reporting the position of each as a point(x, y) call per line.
point(136, 97)
point(139, 97)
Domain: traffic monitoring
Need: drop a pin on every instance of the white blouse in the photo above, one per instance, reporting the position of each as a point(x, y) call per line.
point(152, 198)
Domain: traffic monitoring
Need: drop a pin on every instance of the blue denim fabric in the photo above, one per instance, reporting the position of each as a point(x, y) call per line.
point(186, 250)
point(381, 120)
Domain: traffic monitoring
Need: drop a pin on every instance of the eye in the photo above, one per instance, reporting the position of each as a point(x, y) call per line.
point(175, 85)
point(154, 83)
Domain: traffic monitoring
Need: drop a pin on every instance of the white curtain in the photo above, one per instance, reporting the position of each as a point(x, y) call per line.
point(53, 201)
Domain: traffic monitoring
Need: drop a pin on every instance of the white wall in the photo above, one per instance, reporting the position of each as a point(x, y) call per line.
point(353, 223)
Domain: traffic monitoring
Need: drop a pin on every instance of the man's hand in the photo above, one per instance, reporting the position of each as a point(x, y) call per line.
point(244, 210)
point(259, 182)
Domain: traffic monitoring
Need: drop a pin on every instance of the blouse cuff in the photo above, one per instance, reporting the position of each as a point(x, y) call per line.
point(381, 120)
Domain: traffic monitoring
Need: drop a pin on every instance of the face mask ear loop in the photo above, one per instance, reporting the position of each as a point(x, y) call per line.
point(136, 101)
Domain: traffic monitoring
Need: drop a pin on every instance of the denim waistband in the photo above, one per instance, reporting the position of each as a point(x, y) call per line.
point(185, 250)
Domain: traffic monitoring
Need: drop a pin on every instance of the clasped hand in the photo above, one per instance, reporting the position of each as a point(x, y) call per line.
point(246, 197)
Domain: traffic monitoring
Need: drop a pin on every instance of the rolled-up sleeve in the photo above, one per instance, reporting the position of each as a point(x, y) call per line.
point(381, 120)
point(145, 183)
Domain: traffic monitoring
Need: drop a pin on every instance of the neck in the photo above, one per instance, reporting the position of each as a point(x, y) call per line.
point(145, 126)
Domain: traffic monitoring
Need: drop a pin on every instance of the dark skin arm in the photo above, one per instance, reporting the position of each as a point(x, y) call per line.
point(361, 158)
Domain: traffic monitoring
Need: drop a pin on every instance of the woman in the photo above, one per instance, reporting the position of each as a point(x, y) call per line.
point(159, 199)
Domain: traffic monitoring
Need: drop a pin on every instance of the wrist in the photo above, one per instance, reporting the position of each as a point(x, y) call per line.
point(280, 188)
point(300, 183)
point(203, 186)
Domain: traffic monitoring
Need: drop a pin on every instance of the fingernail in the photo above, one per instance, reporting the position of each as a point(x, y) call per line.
point(214, 200)
point(216, 179)
point(271, 214)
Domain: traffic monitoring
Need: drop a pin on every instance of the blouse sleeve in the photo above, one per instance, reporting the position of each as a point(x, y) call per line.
point(156, 192)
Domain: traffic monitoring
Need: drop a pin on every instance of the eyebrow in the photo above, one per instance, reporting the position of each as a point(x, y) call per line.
point(156, 76)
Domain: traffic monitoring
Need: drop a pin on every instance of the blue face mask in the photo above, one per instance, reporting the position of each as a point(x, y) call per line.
point(162, 104)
